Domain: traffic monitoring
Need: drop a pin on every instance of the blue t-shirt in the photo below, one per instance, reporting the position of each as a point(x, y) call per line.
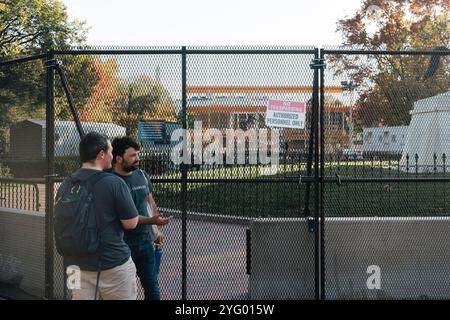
point(140, 186)
point(112, 202)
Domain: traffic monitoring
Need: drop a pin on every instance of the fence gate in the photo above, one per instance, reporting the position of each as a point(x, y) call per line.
point(386, 212)
point(247, 235)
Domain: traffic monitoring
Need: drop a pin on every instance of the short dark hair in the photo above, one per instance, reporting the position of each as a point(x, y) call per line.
point(91, 144)
point(121, 144)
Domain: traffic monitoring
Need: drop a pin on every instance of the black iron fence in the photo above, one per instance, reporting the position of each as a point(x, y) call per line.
point(356, 194)
point(19, 194)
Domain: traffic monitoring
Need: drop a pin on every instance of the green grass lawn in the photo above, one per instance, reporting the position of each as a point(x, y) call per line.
point(288, 199)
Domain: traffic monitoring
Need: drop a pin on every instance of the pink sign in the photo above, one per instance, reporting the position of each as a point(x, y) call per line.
point(288, 106)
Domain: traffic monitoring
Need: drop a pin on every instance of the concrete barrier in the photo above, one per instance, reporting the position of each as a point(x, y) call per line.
point(412, 256)
point(22, 250)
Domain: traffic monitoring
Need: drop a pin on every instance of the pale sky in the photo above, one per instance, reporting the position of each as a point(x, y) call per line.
point(299, 23)
point(211, 22)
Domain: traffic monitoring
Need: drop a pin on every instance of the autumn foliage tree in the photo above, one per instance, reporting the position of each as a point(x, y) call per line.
point(105, 94)
point(388, 85)
point(122, 101)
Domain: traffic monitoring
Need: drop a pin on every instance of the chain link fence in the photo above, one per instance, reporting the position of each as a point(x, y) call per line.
point(259, 212)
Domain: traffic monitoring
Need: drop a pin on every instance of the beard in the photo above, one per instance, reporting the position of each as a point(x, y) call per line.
point(130, 168)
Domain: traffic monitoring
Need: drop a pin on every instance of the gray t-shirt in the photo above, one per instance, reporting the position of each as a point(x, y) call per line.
point(140, 186)
point(113, 202)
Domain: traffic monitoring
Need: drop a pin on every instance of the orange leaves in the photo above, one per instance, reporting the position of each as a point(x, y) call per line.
point(100, 104)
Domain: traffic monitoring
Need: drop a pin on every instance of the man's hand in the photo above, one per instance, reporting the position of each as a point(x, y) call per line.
point(160, 239)
point(159, 220)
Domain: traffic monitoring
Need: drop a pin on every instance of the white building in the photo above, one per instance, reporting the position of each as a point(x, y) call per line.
point(384, 140)
point(429, 134)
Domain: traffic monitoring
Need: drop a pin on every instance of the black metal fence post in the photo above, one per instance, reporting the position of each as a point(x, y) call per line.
point(49, 178)
point(315, 120)
point(322, 175)
point(184, 180)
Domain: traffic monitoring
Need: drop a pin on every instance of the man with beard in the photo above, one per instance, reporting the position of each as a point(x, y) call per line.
point(141, 240)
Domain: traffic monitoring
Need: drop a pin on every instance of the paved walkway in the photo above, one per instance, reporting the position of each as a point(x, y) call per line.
point(216, 261)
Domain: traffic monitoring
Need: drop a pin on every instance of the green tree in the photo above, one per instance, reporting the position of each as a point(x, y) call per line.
point(29, 27)
point(143, 99)
point(388, 85)
point(82, 77)
point(5, 172)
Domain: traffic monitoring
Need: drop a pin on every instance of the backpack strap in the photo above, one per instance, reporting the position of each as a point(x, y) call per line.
point(96, 177)
point(143, 174)
point(91, 182)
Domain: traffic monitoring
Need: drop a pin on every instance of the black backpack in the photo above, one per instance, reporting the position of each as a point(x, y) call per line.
point(75, 226)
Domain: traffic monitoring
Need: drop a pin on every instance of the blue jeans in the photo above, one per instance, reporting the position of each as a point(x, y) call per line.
point(143, 255)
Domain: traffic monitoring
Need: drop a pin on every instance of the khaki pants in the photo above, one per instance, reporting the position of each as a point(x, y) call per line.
point(118, 283)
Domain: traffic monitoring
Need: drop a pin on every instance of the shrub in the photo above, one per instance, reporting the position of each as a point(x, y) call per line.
point(65, 166)
point(5, 172)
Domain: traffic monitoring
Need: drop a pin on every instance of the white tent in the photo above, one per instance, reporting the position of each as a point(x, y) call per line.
point(428, 135)
point(28, 141)
point(67, 138)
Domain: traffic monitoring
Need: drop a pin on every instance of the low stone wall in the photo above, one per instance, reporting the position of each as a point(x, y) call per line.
point(22, 250)
point(365, 258)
